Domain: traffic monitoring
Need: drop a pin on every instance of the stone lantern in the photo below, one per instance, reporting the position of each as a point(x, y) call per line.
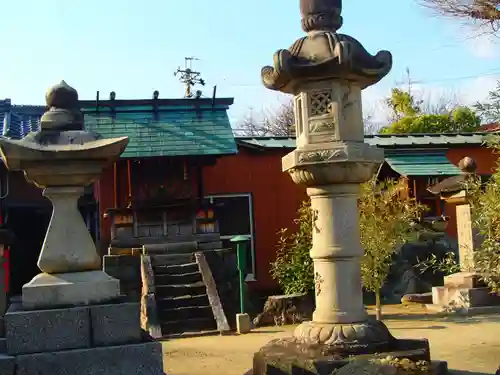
point(72, 318)
point(326, 72)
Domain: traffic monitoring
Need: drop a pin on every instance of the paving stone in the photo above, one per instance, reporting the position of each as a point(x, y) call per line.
point(7, 365)
point(115, 324)
point(144, 359)
point(46, 330)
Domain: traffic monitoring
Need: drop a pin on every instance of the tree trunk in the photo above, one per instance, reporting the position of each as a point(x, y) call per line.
point(378, 305)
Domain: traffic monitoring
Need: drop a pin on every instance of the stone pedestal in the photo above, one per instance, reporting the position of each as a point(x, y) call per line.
point(68, 245)
point(464, 292)
point(70, 289)
point(286, 356)
point(104, 339)
point(69, 259)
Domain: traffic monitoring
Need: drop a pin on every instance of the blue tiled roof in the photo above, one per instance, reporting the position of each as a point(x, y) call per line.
point(17, 121)
point(155, 128)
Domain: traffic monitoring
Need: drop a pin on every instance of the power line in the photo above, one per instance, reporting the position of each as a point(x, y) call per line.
point(488, 73)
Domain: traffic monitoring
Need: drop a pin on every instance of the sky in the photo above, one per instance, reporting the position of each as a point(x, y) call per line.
point(133, 48)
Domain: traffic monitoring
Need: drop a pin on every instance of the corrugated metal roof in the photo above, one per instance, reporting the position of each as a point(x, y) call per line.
point(268, 142)
point(426, 139)
point(382, 140)
point(422, 164)
point(200, 128)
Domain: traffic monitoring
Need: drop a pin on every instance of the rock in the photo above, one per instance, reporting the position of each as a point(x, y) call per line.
point(285, 309)
point(405, 278)
point(423, 298)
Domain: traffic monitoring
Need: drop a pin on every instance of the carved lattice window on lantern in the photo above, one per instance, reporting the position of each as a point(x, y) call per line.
point(320, 103)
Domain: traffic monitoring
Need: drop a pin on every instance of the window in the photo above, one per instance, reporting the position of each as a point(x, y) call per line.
point(234, 213)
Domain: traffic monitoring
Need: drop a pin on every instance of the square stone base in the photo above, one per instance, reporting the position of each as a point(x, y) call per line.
point(36, 331)
point(286, 357)
point(464, 280)
point(463, 292)
point(85, 340)
point(69, 289)
point(144, 359)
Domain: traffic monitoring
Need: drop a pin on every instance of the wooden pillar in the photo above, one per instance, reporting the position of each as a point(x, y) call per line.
point(129, 181)
point(199, 179)
point(115, 185)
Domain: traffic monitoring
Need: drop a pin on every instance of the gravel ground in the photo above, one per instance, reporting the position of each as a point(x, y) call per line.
point(471, 345)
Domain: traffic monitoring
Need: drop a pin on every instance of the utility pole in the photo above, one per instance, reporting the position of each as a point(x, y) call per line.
point(190, 77)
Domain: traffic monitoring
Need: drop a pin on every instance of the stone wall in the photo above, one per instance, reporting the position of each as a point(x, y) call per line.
point(127, 269)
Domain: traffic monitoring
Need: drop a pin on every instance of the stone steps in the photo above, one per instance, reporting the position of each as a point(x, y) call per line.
point(171, 259)
point(181, 295)
point(188, 326)
point(166, 279)
point(185, 313)
point(176, 269)
point(180, 290)
point(179, 302)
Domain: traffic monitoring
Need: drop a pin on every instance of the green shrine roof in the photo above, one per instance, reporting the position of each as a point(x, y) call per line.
point(421, 164)
point(406, 154)
point(164, 127)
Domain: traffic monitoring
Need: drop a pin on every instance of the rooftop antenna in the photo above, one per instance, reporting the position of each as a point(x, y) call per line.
point(189, 77)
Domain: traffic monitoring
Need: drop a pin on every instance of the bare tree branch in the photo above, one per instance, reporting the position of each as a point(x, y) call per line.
point(482, 13)
point(281, 122)
point(278, 122)
point(446, 102)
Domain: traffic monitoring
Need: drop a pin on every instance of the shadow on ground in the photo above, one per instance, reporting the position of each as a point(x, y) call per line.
point(422, 315)
point(419, 328)
point(460, 372)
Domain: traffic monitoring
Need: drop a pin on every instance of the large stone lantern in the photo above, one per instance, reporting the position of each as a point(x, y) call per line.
point(326, 72)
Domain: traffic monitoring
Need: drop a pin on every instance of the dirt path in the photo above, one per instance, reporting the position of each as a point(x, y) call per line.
point(470, 345)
